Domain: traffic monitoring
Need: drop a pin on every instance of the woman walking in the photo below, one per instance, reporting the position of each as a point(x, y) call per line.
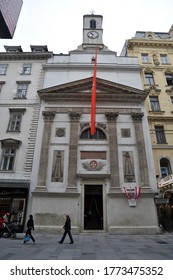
point(30, 227)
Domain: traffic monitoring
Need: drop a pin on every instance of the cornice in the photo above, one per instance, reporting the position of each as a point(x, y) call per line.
point(149, 43)
point(160, 118)
point(25, 56)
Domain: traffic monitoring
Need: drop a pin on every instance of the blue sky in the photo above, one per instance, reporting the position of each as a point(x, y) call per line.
point(58, 23)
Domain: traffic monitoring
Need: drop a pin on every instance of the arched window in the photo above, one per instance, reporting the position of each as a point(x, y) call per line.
point(165, 167)
point(92, 24)
point(99, 134)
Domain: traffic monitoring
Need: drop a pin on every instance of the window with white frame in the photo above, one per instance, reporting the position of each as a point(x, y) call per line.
point(21, 90)
point(149, 78)
point(154, 103)
point(145, 57)
point(15, 120)
point(8, 156)
point(9, 148)
point(3, 69)
point(26, 69)
point(164, 59)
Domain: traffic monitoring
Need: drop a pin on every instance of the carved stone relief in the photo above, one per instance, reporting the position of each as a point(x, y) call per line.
point(128, 167)
point(58, 166)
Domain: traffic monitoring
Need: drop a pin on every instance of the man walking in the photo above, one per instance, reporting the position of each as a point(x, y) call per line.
point(67, 228)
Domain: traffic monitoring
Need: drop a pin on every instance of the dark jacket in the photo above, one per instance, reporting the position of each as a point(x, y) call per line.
point(67, 225)
point(30, 224)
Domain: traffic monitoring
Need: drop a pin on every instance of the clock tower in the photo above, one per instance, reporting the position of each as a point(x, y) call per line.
point(92, 31)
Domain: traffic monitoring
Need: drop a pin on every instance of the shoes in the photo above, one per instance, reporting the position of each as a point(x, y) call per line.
point(71, 242)
point(59, 242)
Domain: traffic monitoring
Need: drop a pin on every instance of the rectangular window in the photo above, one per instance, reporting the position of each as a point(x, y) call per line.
point(3, 69)
point(169, 79)
point(21, 91)
point(149, 79)
point(8, 157)
point(145, 57)
point(154, 103)
point(15, 121)
point(160, 135)
point(26, 69)
point(172, 100)
point(164, 59)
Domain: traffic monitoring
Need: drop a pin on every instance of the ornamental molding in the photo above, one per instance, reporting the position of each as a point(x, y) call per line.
point(93, 165)
point(169, 90)
point(153, 90)
point(85, 125)
point(48, 115)
point(137, 117)
point(74, 116)
point(111, 116)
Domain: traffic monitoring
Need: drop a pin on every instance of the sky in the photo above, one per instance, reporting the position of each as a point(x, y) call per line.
point(59, 23)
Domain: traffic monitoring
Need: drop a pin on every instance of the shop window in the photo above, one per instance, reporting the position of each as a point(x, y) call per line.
point(99, 134)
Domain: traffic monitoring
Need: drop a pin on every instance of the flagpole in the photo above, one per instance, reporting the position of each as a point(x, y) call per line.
point(93, 98)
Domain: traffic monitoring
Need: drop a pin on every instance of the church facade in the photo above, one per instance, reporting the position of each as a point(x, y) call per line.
point(106, 181)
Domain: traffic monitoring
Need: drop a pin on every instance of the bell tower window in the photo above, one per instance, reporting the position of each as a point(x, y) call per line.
point(92, 24)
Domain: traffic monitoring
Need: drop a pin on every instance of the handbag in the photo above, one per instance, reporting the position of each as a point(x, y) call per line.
point(26, 238)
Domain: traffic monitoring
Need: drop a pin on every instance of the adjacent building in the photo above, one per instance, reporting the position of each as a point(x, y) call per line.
point(154, 51)
point(21, 75)
point(9, 15)
point(94, 178)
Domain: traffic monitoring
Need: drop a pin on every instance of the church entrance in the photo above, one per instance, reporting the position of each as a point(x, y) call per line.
point(93, 207)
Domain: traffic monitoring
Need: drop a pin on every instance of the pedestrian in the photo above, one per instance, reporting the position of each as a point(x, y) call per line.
point(67, 230)
point(30, 227)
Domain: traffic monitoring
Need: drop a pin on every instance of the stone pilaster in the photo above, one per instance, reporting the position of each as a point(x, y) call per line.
point(140, 143)
point(73, 146)
point(114, 165)
point(42, 175)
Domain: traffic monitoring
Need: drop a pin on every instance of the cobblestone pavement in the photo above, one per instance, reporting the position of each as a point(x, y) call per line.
point(94, 246)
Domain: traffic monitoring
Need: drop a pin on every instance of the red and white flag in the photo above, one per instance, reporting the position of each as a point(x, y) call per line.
point(93, 98)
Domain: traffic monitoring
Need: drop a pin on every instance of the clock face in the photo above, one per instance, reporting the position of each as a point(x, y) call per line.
point(93, 34)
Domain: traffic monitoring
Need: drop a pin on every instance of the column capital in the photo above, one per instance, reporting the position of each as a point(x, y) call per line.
point(111, 116)
point(48, 115)
point(74, 116)
point(137, 116)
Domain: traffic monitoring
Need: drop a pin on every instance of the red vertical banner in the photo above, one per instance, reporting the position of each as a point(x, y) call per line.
point(93, 98)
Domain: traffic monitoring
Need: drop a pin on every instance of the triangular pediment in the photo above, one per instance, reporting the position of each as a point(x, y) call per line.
point(81, 89)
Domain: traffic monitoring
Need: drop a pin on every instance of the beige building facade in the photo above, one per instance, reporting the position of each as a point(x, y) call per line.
point(154, 51)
